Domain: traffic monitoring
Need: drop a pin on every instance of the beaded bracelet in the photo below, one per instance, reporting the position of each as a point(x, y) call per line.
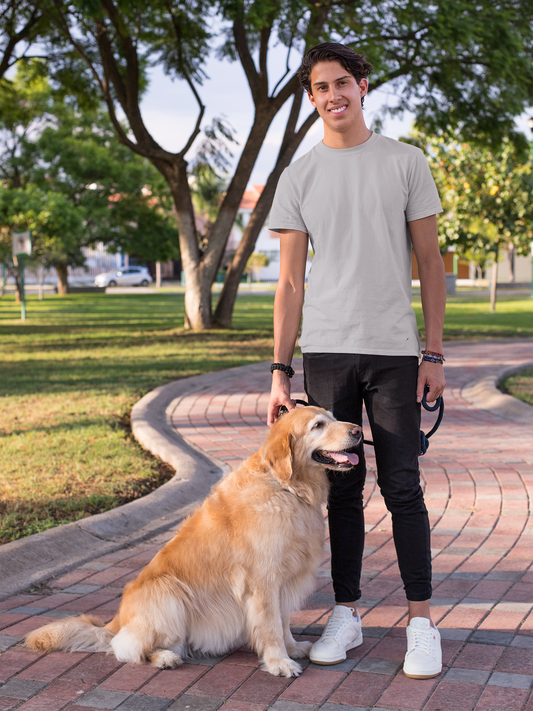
point(432, 357)
point(289, 372)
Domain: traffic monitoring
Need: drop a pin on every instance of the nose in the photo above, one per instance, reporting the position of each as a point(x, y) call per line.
point(357, 432)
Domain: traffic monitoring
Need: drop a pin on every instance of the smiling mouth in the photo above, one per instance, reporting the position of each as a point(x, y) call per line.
point(338, 109)
point(336, 460)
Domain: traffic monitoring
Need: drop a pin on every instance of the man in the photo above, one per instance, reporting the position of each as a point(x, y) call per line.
point(363, 201)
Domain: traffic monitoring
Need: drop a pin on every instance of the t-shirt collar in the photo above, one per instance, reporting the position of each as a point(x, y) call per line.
point(326, 150)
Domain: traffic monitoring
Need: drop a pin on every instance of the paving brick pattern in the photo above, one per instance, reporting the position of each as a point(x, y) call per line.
point(477, 476)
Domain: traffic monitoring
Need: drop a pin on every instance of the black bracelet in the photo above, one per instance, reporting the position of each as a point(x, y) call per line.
point(289, 372)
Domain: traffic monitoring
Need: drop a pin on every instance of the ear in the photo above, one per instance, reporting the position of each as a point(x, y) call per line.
point(277, 451)
point(363, 87)
point(311, 99)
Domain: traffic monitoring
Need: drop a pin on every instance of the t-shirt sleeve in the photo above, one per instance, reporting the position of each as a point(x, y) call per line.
point(285, 213)
point(423, 199)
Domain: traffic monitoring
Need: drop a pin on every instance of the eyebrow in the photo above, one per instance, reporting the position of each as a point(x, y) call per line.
point(346, 76)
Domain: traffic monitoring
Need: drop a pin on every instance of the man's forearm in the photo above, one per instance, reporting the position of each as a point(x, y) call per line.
point(287, 317)
point(433, 295)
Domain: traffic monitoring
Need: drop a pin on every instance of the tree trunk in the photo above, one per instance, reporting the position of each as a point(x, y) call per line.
point(493, 285)
point(158, 275)
point(41, 282)
point(291, 141)
point(511, 251)
point(198, 314)
point(62, 282)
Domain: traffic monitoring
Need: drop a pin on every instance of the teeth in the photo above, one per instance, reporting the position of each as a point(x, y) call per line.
point(337, 111)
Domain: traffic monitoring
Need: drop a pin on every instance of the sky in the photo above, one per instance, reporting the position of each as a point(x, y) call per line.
point(170, 110)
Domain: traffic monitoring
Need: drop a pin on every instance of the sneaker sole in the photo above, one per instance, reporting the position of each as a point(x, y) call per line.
point(357, 643)
point(423, 676)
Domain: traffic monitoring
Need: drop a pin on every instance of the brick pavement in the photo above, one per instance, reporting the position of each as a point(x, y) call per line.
point(477, 477)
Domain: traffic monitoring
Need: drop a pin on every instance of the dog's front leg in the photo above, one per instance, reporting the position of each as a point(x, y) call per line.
point(296, 650)
point(265, 634)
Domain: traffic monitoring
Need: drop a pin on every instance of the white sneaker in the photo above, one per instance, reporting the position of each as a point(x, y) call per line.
point(343, 632)
point(424, 656)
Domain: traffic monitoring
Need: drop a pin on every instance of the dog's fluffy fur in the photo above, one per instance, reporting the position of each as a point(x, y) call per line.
point(237, 567)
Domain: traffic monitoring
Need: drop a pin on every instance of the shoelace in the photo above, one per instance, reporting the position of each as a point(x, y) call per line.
point(422, 640)
point(334, 626)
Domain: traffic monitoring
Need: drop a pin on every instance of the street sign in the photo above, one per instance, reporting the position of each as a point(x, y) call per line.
point(22, 243)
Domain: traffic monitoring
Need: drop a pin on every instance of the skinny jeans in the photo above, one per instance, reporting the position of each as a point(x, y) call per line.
point(341, 382)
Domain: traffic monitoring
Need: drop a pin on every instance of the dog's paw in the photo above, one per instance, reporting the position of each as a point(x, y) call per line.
point(281, 667)
point(164, 659)
point(299, 650)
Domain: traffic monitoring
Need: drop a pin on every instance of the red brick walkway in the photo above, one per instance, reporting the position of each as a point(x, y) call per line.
point(477, 477)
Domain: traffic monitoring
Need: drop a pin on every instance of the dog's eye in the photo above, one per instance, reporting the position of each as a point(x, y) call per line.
point(318, 425)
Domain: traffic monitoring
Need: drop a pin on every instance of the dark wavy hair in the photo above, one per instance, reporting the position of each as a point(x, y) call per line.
point(354, 63)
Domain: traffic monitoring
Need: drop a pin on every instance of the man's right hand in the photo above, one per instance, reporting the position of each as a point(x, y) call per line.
point(280, 396)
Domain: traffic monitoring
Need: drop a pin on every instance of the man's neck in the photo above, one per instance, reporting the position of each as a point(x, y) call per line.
point(346, 139)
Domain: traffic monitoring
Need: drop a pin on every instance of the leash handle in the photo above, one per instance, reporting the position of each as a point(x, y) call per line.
point(431, 408)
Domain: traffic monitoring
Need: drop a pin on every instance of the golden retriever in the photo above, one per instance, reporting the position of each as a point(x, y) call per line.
point(237, 567)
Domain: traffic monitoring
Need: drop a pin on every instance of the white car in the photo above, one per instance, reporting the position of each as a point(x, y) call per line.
point(128, 276)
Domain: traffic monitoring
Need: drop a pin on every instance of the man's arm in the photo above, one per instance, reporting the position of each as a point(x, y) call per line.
point(433, 293)
point(287, 315)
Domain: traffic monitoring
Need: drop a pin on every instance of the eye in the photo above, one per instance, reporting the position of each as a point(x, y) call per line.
point(318, 425)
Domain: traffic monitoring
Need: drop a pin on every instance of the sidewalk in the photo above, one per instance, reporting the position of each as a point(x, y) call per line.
point(478, 475)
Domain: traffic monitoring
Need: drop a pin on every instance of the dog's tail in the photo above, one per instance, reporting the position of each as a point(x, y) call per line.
point(73, 634)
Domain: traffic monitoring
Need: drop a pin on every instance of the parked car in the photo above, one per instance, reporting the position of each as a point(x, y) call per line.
point(128, 276)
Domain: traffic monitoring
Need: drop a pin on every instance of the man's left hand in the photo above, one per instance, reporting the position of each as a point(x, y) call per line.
point(431, 374)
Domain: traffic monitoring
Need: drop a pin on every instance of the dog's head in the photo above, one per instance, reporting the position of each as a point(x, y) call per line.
point(310, 437)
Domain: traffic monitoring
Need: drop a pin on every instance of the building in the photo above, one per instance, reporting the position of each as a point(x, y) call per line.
point(267, 242)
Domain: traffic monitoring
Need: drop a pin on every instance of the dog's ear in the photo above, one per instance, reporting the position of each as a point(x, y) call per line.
point(277, 450)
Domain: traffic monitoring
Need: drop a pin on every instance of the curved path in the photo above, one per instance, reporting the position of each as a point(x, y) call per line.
point(478, 478)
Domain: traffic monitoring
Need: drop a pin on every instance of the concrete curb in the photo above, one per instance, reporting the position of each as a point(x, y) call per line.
point(34, 559)
point(483, 393)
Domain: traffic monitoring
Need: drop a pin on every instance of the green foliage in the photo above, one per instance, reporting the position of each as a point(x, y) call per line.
point(487, 194)
point(66, 177)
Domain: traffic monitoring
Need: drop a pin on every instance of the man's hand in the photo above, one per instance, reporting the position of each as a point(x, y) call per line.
point(280, 395)
point(431, 374)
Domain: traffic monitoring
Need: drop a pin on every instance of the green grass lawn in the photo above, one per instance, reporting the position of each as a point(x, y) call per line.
point(71, 373)
point(520, 386)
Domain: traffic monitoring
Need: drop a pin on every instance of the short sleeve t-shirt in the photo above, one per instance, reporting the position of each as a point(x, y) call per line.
point(355, 204)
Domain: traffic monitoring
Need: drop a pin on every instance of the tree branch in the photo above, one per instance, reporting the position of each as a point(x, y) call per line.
point(243, 50)
point(287, 68)
point(263, 54)
point(196, 130)
point(15, 39)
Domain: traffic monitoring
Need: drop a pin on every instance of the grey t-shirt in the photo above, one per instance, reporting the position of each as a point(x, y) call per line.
point(355, 204)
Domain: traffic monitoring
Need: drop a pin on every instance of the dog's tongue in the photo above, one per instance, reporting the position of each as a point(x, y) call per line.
point(344, 457)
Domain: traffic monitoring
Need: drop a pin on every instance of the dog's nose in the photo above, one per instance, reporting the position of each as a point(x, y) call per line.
point(357, 432)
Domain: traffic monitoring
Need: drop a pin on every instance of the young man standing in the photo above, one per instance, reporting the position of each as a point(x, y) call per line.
point(363, 201)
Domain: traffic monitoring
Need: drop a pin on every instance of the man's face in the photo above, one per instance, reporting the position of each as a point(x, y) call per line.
point(336, 95)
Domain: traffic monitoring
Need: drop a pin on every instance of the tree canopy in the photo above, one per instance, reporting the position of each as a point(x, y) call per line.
point(486, 193)
point(65, 176)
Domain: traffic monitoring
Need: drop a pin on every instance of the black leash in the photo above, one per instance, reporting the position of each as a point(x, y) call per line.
point(424, 438)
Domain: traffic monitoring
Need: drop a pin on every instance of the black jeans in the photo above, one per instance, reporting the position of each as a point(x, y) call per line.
point(341, 382)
